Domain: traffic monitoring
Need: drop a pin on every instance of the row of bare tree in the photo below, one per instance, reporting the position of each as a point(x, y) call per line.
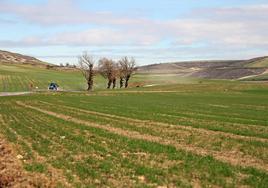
point(108, 68)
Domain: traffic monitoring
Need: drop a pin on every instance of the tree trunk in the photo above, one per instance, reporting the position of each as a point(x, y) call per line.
point(90, 79)
point(121, 82)
point(109, 84)
point(127, 79)
point(90, 84)
point(114, 83)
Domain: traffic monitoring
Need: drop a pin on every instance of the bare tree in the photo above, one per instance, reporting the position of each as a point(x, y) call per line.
point(86, 64)
point(121, 82)
point(127, 68)
point(120, 71)
point(108, 69)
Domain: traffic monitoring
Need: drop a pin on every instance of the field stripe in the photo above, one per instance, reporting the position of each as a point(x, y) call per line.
point(243, 161)
point(61, 142)
point(238, 148)
point(55, 175)
point(166, 125)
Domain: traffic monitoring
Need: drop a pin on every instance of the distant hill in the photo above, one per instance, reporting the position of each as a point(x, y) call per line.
point(218, 69)
point(227, 69)
point(15, 58)
point(259, 62)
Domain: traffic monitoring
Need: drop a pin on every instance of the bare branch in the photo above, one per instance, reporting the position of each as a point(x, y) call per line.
point(127, 69)
point(108, 69)
point(85, 65)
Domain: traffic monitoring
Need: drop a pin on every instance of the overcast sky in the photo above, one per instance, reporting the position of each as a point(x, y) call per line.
point(152, 31)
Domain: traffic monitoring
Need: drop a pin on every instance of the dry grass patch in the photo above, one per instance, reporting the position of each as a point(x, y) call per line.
point(12, 173)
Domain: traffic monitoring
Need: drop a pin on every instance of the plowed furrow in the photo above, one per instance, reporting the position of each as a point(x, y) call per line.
point(233, 159)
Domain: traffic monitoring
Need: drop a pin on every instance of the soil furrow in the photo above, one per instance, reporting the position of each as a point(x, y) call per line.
point(12, 173)
point(55, 175)
point(166, 125)
point(233, 159)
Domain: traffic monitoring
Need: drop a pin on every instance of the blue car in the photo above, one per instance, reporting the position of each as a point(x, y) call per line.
point(53, 86)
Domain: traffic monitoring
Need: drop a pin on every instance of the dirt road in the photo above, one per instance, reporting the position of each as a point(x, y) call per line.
point(4, 94)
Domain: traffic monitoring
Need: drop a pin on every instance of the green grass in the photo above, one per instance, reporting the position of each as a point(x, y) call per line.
point(35, 167)
point(197, 115)
point(21, 77)
point(174, 132)
point(260, 63)
point(263, 77)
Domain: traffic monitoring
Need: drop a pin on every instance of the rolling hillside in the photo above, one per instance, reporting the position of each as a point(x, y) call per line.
point(17, 77)
point(23, 73)
point(209, 133)
point(262, 62)
point(15, 58)
point(211, 69)
point(187, 135)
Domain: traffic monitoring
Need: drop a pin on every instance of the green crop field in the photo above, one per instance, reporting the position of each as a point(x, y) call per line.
point(21, 77)
point(197, 134)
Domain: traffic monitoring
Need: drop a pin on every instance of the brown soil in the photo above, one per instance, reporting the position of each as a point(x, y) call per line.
point(55, 175)
point(12, 173)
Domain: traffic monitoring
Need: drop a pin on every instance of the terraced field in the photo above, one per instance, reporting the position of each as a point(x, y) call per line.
point(193, 135)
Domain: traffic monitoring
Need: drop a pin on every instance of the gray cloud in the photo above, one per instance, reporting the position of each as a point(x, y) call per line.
point(64, 12)
point(209, 33)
